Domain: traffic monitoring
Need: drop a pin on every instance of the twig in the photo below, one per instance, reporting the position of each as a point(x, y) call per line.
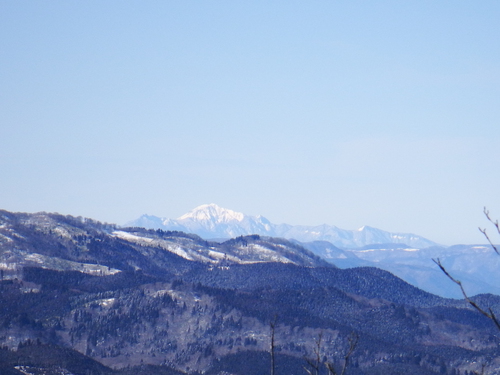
point(315, 364)
point(331, 369)
point(491, 315)
point(353, 342)
point(497, 226)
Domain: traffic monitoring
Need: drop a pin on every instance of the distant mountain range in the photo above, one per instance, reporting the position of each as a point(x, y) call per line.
point(476, 266)
point(407, 256)
point(211, 221)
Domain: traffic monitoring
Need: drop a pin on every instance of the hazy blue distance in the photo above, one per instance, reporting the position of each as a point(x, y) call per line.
point(349, 113)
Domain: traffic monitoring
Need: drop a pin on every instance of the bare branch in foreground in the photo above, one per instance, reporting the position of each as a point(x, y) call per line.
point(496, 225)
point(489, 314)
point(353, 342)
point(315, 365)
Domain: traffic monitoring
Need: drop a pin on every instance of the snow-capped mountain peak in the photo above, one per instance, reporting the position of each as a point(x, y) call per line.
point(211, 221)
point(214, 213)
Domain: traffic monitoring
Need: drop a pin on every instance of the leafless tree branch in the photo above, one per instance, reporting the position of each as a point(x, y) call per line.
point(314, 367)
point(353, 342)
point(316, 363)
point(331, 369)
point(496, 225)
point(489, 314)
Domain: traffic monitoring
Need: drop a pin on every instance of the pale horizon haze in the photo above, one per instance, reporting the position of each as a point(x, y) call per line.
point(347, 113)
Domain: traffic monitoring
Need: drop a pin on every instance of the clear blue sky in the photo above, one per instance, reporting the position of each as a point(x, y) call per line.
point(350, 113)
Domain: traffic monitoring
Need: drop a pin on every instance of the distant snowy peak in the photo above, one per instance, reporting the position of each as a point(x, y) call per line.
point(211, 221)
point(350, 239)
point(369, 235)
point(147, 221)
point(212, 213)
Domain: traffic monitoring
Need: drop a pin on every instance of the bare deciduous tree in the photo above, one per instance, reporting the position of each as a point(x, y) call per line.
point(495, 224)
point(489, 312)
point(315, 364)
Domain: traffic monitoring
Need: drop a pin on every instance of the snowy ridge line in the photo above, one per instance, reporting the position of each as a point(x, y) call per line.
point(211, 221)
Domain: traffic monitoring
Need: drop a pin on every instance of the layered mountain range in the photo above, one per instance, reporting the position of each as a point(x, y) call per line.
point(408, 256)
point(83, 297)
point(211, 221)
